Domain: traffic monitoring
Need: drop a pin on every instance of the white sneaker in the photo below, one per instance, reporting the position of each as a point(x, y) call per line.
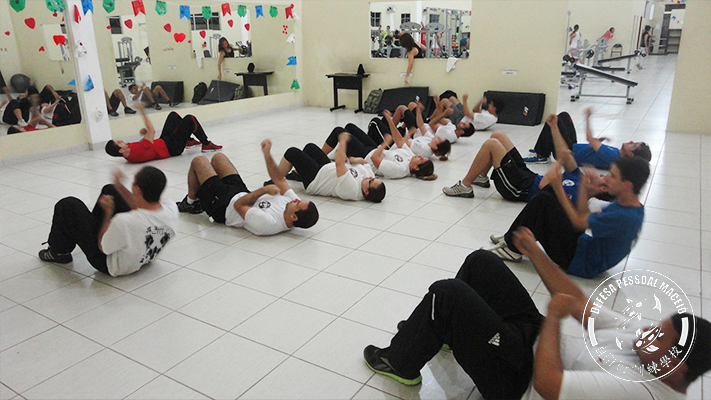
point(482, 181)
point(503, 252)
point(496, 239)
point(21, 123)
point(459, 190)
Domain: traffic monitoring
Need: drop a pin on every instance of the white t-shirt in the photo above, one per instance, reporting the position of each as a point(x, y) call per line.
point(447, 132)
point(395, 163)
point(421, 145)
point(265, 217)
point(483, 120)
point(135, 238)
point(346, 187)
point(584, 379)
point(576, 39)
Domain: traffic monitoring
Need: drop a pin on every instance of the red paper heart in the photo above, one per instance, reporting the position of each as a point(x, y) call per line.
point(108, 26)
point(202, 34)
point(179, 37)
point(59, 39)
point(41, 48)
point(128, 23)
point(190, 41)
point(7, 33)
point(54, 15)
point(30, 22)
point(230, 23)
point(246, 26)
point(167, 27)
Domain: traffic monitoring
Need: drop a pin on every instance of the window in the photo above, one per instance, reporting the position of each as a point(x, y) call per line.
point(199, 23)
point(404, 18)
point(115, 24)
point(374, 19)
point(434, 18)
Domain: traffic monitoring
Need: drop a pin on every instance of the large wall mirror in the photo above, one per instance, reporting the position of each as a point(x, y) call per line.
point(442, 28)
point(207, 32)
point(129, 38)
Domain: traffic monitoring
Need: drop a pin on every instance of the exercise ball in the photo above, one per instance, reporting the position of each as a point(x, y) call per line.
point(20, 82)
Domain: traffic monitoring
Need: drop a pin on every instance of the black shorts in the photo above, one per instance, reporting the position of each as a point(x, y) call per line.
point(114, 101)
point(215, 194)
point(513, 179)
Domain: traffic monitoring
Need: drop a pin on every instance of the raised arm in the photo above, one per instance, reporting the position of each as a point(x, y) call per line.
point(127, 195)
point(435, 118)
point(272, 167)
point(244, 203)
point(377, 156)
point(594, 142)
point(467, 112)
point(477, 107)
point(397, 136)
point(341, 168)
point(578, 216)
point(562, 152)
point(150, 130)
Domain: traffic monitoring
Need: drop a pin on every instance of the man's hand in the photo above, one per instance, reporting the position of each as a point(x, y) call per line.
point(482, 101)
point(266, 146)
point(588, 112)
point(465, 96)
point(552, 120)
point(556, 175)
point(272, 190)
point(106, 202)
point(140, 105)
point(344, 137)
point(388, 139)
point(561, 305)
point(387, 114)
point(118, 175)
point(525, 241)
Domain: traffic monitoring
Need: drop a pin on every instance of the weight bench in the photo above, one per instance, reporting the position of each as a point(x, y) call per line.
point(628, 57)
point(584, 70)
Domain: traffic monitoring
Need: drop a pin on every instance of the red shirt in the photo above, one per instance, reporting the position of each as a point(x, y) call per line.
point(146, 151)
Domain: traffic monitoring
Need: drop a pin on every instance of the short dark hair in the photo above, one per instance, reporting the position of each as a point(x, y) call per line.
point(498, 103)
point(468, 131)
point(635, 170)
point(643, 152)
point(308, 217)
point(112, 149)
point(13, 129)
point(151, 181)
point(425, 169)
point(131, 86)
point(443, 148)
point(376, 194)
point(698, 350)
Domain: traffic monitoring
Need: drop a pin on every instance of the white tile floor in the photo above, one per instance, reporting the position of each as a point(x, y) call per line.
point(228, 315)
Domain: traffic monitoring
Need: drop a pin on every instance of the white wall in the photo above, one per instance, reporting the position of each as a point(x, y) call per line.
point(691, 95)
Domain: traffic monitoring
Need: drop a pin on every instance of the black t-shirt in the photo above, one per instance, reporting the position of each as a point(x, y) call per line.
point(642, 42)
point(228, 53)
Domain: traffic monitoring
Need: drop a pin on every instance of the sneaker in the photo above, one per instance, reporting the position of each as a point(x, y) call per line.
point(195, 208)
point(128, 110)
point(536, 159)
point(173, 104)
point(51, 256)
point(113, 113)
point(496, 239)
point(267, 183)
point(192, 143)
point(21, 123)
point(459, 190)
point(382, 366)
point(157, 106)
point(502, 250)
point(293, 176)
point(482, 181)
point(210, 147)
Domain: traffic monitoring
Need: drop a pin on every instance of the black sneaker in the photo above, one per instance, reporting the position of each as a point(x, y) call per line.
point(173, 104)
point(293, 176)
point(267, 183)
point(157, 106)
point(51, 256)
point(184, 207)
point(113, 113)
point(381, 365)
point(128, 110)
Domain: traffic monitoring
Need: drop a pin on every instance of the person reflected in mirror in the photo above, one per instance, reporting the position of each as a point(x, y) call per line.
point(112, 103)
point(174, 138)
point(609, 34)
point(574, 42)
point(150, 97)
point(23, 113)
point(226, 50)
point(413, 50)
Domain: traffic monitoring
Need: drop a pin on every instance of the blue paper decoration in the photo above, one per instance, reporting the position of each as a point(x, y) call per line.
point(291, 60)
point(72, 82)
point(259, 10)
point(185, 12)
point(87, 5)
point(89, 84)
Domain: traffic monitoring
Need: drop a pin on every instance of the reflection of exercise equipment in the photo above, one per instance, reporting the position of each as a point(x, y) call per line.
point(436, 34)
point(126, 63)
point(628, 57)
point(585, 70)
point(244, 50)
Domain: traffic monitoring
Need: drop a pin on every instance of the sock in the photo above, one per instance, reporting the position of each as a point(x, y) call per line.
point(191, 201)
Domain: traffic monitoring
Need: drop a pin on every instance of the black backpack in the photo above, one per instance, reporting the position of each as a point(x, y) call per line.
point(199, 92)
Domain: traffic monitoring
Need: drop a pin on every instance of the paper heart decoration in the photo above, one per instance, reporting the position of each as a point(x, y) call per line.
point(30, 22)
point(7, 33)
point(54, 15)
point(128, 23)
point(41, 48)
point(190, 41)
point(202, 34)
point(59, 39)
point(108, 26)
point(179, 37)
point(246, 26)
point(167, 27)
point(230, 23)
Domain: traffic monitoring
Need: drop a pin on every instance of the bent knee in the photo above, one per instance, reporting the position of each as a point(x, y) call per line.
point(497, 135)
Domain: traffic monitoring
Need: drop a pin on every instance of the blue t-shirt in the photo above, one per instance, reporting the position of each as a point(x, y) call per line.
point(614, 232)
point(571, 181)
point(602, 158)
